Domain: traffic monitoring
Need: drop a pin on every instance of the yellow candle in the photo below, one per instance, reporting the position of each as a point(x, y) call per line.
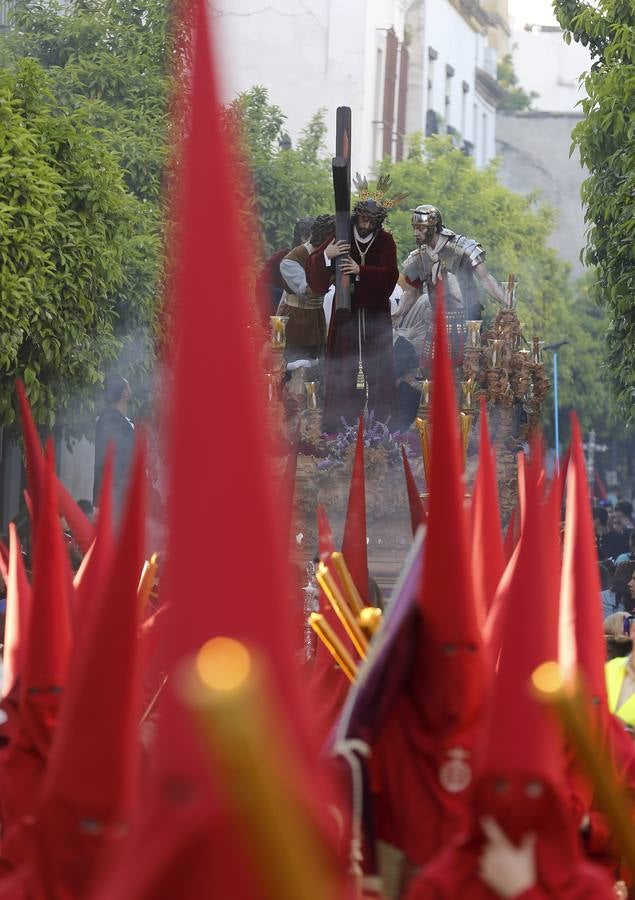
point(146, 581)
point(570, 705)
point(226, 692)
point(355, 602)
point(333, 644)
point(341, 608)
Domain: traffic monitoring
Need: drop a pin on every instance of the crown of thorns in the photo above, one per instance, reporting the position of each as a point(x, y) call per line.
point(379, 194)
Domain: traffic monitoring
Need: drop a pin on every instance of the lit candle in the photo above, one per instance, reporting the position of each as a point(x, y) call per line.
point(271, 384)
point(495, 345)
point(278, 331)
point(311, 394)
point(341, 608)
point(467, 387)
point(424, 436)
point(425, 392)
point(473, 333)
point(333, 644)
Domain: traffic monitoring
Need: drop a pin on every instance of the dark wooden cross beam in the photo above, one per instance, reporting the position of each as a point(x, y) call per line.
point(341, 165)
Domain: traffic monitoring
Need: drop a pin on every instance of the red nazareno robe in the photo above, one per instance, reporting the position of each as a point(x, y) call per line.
point(562, 871)
point(371, 294)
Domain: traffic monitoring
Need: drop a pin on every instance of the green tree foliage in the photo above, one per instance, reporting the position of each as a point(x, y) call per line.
point(107, 77)
point(109, 58)
point(287, 184)
point(514, 230)
point(68, 229)
point(515, 98)
point(606, 141)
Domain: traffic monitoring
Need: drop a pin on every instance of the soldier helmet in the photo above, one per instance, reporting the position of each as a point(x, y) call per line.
point(427, 215)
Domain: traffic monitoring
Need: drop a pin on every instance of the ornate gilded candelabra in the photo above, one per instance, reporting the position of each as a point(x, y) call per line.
point(500, 364)
point(510, 373)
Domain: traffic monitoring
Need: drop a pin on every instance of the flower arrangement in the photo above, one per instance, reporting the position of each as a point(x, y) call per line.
point(381, 446)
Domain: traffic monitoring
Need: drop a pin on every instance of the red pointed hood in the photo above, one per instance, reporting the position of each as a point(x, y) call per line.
point(326, 544)
point(17, 614)
point(447, 597)
point(488, 560)
point(44, 661)
point(511, 536)
point(521, 741)
point(354, 546)
point(81, 527)
point(95, 566)
point(415, 504)
point(92, 772)
point(328, 685)
point(581, 632)
point(32, 449)
point(600, 488)
point(288, 486)
point(234, 585)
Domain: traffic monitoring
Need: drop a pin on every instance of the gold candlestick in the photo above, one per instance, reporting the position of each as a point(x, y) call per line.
point(278, 331)
point(465, 420)
point(473, 327)
point(467, 388)
point(495, 348)
point(311, 394)
point(426, 387)
point(270, 379)
point(424, 436)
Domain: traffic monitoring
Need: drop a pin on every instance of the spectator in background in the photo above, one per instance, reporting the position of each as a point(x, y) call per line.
point(600, 526)
point(620, 677)
point(630, 556)
point(606, 591)
point(622, 586)
point(116, 429)
point(616, 539)
point(618, 643)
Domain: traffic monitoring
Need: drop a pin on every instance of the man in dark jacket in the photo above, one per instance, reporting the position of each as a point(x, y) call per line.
point(116, 429)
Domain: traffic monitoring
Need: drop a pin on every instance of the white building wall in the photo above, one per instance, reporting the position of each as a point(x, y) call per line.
point(310, 56)
point(453, 97)
point(332, 53)
point(551, 68)
point(456, 44)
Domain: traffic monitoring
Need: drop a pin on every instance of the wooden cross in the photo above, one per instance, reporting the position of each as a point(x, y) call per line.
point(341, 166)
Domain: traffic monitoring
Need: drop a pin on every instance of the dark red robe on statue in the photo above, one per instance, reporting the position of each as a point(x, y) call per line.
point(371, 294)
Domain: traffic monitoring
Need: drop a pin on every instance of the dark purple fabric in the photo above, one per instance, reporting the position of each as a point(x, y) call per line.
point(387, 668)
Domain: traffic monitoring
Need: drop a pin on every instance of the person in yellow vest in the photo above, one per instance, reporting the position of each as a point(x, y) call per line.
point(620, 675)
